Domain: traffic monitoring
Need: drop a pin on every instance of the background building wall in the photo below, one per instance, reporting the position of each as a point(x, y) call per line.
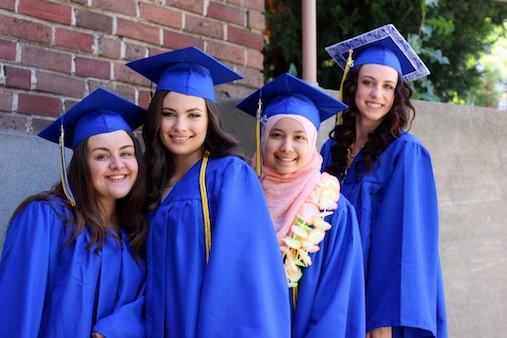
point(54, 53)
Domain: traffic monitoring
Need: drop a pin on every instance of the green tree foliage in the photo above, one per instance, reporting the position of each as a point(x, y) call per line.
point(460, 30)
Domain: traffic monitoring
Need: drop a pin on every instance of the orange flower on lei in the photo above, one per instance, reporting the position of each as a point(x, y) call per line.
point(309, 228)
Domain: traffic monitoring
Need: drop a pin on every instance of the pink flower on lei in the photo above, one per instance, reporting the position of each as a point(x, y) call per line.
point(309, 228)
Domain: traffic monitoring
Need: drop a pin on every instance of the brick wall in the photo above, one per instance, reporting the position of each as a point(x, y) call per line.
point(54, 53)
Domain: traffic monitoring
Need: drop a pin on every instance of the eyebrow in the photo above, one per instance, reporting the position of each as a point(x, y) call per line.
point(297, 131)
point(107, 149)
point(188, 110)
point(373, 78)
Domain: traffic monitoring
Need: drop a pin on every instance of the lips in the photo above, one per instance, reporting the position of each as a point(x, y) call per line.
point(116, 177)
point(286, 159)
point(181, 139)
point(374, 105)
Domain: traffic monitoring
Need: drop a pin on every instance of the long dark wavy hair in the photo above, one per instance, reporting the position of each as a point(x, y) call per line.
point(87, 212)
point(394, 123)
point(159, 160)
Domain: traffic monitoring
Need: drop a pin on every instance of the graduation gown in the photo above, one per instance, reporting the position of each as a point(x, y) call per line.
point(47, 290)
point(242, 291)
point(331, 301)
point(397, 210)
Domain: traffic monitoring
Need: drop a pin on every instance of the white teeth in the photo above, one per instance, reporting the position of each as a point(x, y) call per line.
point(180, 138)
point(116, 177)
point(286, 159)
point(374, 105)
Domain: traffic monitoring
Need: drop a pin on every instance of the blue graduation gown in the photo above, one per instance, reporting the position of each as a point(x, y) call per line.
point(242, 291)
point(397, 209)
point(50, 291)
point(331, 301)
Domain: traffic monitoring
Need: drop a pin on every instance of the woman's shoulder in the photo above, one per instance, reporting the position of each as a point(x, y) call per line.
point(224, 163)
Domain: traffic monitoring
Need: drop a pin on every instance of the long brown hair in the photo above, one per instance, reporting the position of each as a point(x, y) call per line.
point(87, 214)
point(394, 123)
point(159, 160)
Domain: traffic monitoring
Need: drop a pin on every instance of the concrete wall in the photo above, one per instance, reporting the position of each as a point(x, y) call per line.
point(470, 161)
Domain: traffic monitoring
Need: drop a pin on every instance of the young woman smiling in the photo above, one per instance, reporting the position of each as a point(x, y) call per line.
point(387, 175)
point(73, 260)
point(212, 252)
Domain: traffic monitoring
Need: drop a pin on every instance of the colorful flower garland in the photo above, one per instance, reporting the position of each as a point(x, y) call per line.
point(309, 228)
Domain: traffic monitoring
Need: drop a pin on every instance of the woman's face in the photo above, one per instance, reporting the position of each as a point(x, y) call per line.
point(287, 149)
point(376, 86)
point(113, 164)
point(184, 125)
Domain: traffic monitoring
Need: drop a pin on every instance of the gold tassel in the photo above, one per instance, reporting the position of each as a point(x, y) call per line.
point(63, 169)
point(348, 64)
point(258, 155)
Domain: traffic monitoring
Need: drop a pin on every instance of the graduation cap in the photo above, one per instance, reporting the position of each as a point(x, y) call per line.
point(187, 71)
point(384, 46)
point(98, 113)
point(289, 95)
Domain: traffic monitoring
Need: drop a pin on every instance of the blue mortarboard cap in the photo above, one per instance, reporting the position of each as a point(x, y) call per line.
point(186, 71)
point(384, 46)
point(98, 113)
point(289, 95)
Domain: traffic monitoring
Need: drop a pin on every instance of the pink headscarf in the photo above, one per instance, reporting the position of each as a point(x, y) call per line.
point(286, 193)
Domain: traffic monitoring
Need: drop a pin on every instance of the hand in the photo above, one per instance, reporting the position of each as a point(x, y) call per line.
point(381, 332)
point(97, 335)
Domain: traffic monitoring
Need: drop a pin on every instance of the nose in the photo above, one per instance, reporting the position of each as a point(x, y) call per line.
point(180, 124)
point(286, 145)
point(116, 162)
point(375, 92)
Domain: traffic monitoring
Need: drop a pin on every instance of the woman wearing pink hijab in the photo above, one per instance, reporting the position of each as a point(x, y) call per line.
point(316, 227)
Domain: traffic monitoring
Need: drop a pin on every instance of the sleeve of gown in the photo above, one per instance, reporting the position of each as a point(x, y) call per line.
point(403, 272)
point(127, 320)
point(338, 308)
point(244, 292)
point(29, 248)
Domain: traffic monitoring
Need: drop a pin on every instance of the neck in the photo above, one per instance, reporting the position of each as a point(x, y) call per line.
point(110, 215)
point(182, 164)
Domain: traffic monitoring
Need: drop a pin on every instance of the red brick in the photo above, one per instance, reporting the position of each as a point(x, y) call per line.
point(60, 84)
point(7, 50)
point(110, 48)
point(13, 123)
point(258, 5)
point(74, 40)
point(94, 21)
point(196, 6)
point(160, 15)
point(46, 59)
point(23, 29)
point(138, 31)
point(8, 4)
point(127, 92)
point(17, 77)
point(251, 77)
point(69, 103)
point(5, 100)
point(175, 40)
point(226, 52)
point(256, 20)
point(39, 124)
point(127, 7)
point(202, 26)
point(226, 13)
point(39, 105)
point(134, 52)
point(143, 100)
point(125, 74)
point(155, 51)
point(244, 37)
point(255, 59)
point(46, 10)
point(93, 68)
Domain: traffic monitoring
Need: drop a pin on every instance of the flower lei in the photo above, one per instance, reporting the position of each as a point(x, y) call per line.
point(309, 228)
